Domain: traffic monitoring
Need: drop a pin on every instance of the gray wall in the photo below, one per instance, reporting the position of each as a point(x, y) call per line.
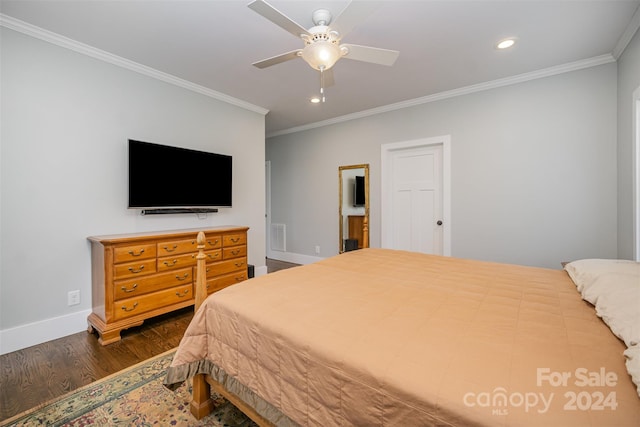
point(66, 119)
point(534, 176)
point(628, 82)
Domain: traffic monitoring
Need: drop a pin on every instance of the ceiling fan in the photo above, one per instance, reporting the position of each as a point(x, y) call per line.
point(322, 48)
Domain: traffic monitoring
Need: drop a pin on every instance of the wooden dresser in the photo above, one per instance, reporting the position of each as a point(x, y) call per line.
point(138, 276)
point(356, 229)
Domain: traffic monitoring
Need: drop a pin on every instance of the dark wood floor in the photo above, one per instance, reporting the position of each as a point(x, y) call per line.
point(37, 374)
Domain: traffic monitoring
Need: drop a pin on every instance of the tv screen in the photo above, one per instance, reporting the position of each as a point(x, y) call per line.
point(358, 192)
point(161, 176)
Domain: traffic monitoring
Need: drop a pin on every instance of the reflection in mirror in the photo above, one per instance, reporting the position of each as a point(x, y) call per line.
point(353, 208)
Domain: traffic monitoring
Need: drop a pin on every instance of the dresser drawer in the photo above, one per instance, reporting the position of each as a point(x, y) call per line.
point(175, 247)
point(234, 240)
point(138, 305)
point(138, 268)
point(214, 255)
point(177, 261)
point(150, 283)
point(134, 253)
point(225, 267)
point(222, 282)
point(234, 252)
point(213, 242)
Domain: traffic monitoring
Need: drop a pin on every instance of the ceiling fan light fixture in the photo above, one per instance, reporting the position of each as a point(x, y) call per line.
point(321, 55)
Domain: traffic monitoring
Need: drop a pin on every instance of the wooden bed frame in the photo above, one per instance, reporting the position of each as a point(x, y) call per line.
point(201, 403)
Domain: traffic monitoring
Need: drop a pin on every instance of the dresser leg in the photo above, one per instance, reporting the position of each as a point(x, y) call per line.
point(108, 334)
point(110, 337)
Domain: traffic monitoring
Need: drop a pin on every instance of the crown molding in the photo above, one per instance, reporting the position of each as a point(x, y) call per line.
point(493, 84)
point(628, 34)
point(67, 43)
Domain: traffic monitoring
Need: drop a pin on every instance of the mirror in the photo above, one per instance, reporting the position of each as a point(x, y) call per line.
point(353, 207)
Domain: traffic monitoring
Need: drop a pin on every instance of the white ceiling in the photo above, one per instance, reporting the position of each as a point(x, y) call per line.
point(444, 45)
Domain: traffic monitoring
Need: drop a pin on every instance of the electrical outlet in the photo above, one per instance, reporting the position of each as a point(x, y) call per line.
point(73, 298)
point(317, 250)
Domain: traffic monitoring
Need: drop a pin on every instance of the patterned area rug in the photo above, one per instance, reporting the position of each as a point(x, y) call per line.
point(132, 397)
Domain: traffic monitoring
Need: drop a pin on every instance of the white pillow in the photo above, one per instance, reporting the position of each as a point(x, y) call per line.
point(618, 304)
point(633, 364)
point(584, 271)
point(613, 287)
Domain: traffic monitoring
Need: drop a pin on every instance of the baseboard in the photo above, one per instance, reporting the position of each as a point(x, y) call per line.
point(260, 271)
point(24, 336)
point(293, 257)
point(42, 331)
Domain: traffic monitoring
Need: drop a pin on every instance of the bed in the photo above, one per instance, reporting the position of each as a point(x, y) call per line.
point(385, 337)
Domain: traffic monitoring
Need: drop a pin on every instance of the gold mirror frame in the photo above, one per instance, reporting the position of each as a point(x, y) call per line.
point(344, 190)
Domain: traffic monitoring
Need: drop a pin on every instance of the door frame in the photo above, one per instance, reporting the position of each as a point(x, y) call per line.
point(387, 151)
point(636, 173)
point(267, 214)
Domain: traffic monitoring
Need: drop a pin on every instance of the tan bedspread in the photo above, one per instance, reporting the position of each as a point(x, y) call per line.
point(382, 337)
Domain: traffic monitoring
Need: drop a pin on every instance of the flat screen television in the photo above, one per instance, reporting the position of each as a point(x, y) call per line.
point(358, 192)
point(165, 177)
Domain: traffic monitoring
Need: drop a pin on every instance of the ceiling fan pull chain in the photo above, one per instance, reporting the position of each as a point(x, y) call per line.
point(321, 85)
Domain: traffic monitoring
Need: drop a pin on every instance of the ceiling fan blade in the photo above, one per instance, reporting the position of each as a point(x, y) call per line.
point(370, 54)
point(278, 59)
point(353, 14)
point(274, 15)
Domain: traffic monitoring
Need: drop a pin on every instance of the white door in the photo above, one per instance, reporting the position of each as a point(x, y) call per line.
point(413, 203)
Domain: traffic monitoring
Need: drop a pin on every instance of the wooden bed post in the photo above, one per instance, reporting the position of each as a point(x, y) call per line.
point(365, 230)
point(201, 403)
point(201, 272)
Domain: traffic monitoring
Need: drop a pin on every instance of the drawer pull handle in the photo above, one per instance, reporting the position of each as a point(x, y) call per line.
point(184, 277)
point(239, 264)
point(239, 278)
point(171, 264)
point(213, 256)
point(133, 288)
point(180, 295)
point(135, 304)
point(134, 271)
point(132, 253)
point(166, 248)
point(235, 239)
point(215, 242)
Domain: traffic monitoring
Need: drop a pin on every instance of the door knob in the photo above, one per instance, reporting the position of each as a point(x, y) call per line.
point(439, 222)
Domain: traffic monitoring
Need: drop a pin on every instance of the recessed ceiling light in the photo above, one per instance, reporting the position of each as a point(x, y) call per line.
point(505, 44)
point(315, 100)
